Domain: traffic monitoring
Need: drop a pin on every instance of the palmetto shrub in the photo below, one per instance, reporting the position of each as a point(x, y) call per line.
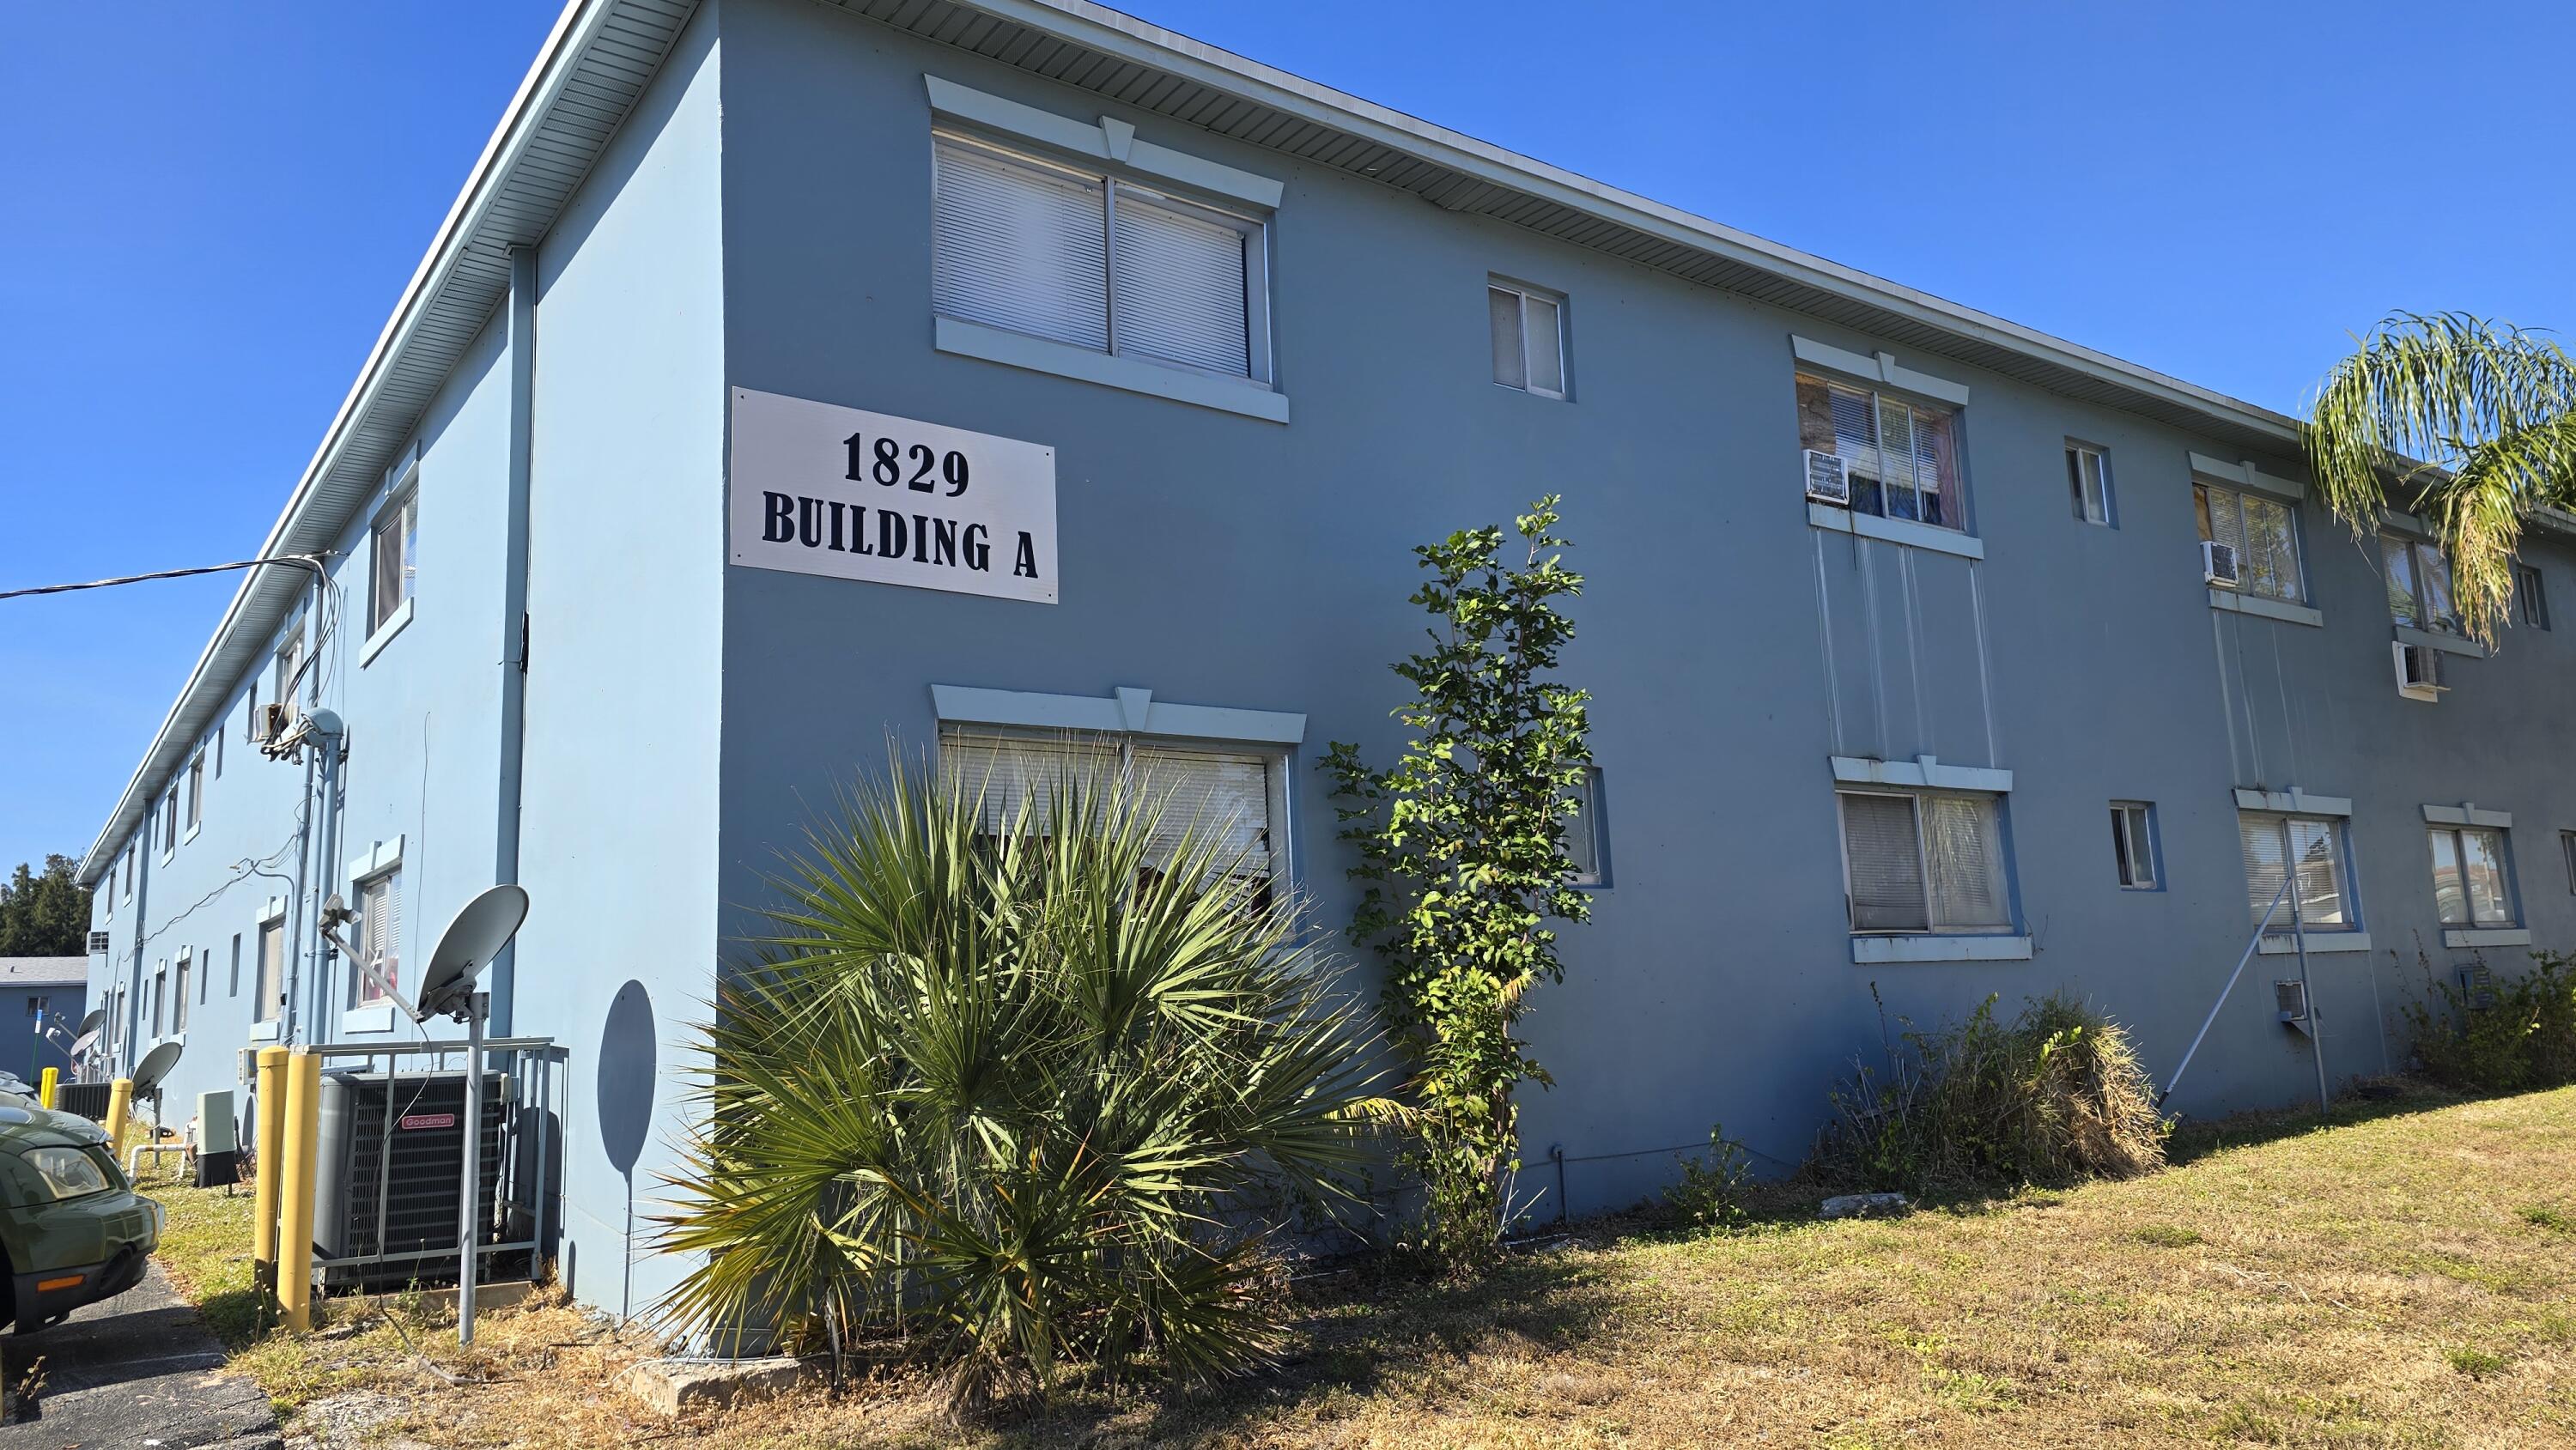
point(1022, 1087)
point(2053, 1096)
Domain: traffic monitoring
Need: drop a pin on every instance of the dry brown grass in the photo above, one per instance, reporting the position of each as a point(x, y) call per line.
point(2396, 1280)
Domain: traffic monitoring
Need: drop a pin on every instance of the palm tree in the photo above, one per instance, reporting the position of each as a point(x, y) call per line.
point(1021, 1085)
point(2473, 424)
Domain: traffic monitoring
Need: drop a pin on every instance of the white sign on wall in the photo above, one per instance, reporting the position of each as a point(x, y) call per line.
point(819, 489)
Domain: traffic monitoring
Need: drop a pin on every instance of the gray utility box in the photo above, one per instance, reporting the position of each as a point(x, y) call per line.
point(391, 1175)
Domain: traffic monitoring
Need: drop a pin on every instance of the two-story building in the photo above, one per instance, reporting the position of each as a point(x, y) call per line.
point(989, 375)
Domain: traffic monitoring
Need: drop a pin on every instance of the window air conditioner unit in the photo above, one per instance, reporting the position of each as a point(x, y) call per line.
point(2218, 563)
point(2419, 671)
point(1828, 479)
point(97, 942)
point(2292, 999)
point(276, 718)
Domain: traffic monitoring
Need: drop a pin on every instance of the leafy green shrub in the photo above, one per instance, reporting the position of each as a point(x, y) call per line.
point(2054, 1096)
point(1013, 1087)
point(1710, 1195)
point(2509, 1035)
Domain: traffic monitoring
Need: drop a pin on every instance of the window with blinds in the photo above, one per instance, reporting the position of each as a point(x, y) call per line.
point(1529, 338)
point(2315, 844)
point(1094, 262)
point(1927, 861)
point(1233, 799)
point(2471, 884)
point(179, 1005)
point(396, 559)
point(1903, 458)
point(379, 937)
point(2419, 585)
point(268, 988)
point(2261, 533)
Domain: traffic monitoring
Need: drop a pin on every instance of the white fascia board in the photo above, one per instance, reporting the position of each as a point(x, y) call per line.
point(2466, 814)
point(2293, 802)
point(2245, 475)
point(1923, 772)
point(1129, 711)
point(1873, 950)
point(1880, 368)
point(1108, 140)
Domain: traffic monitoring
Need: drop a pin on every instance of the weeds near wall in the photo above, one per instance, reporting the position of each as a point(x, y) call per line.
point(1710, 1193)
point(1462, 844)
point(2498, 1035)
point(2054, 1096)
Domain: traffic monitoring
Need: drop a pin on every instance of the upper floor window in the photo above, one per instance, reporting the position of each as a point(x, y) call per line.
point(1529, 338)
point(2472, 885)
point(170, 821)
point(1902, 458)
point(129, 873)
point(379, 937)
point(2323, 899)
point(2088, 480)
point(397, 559)
point(2530, 597)
point(1924, 861)
point(2419, 585)
point(196, 790)
point(2133, 844)
point(36, 1005)
point(1583, 832)
point(1096, 262)
point(2259, 532)
point(290, 667)
point(268, 990)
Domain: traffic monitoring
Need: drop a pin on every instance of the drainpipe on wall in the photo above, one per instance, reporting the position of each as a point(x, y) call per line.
point(306, 864)
point(514, 614)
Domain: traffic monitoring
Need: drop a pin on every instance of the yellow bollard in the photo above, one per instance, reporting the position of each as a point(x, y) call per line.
point(46, 1081)
point(120, 1098)
point(270, 1146)
point(295, 1189)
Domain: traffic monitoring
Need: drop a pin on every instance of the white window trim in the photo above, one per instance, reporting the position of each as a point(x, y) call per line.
point(2102, 456)
point(394, 624)
point(1108, 140)
point(382, 857)
point(1935, 537)
point(2151, 847)
point(2294, 802)
point(2232, 602)
point(1128, 711)
point(1923, 772)
point(2466, 813)
point(1128, 374)
point(1915, 947)
point(2283, 943)
point(2484, 936)
point(1880, 368)
point(2449, 644)
point(1494, 282)
point(2244, 475)
point(1927, 941)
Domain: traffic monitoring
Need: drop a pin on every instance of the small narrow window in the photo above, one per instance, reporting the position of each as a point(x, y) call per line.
point(1583, 832)
point(1529, 339)
point(170, 821)
point(2133, 844)
point(196, 790)
point(269, 991)
point(2088, 482)
point(179, 1004)
point(290, 665)
point(379, 938)
point(397, 558)
point(160, 993)
point(2530, 597)
point(2471, 882)
point(219, 752)
point(232, 987)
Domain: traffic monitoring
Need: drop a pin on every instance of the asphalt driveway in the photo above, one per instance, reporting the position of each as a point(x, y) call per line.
point(138, 1370)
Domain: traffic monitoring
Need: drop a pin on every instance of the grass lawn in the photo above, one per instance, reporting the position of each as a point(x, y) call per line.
point(2405, 1276)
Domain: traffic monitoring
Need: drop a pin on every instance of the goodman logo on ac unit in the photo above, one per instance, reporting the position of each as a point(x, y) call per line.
point(819, 489)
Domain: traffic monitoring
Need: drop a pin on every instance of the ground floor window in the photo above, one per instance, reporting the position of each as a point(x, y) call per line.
point(2315, 843)
point(379, 937)
point(1236, 797)
point(269, 990)
point(2472, 885)
point(1924, 861)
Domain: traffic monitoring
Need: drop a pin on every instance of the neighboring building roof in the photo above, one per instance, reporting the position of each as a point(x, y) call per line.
point(602, 53)
point(43, 972)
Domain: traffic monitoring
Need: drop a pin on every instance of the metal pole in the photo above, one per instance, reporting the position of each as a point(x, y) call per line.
point(2307, 994)
point(2207, 1022)
point(468, 1225)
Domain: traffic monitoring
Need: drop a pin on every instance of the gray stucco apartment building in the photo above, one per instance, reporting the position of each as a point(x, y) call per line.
point(984, 373)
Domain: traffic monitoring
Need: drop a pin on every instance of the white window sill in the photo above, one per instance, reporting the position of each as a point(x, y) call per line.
point(2233, 602)
point(2318, 942)
point(2486, 936)
point(368, 1019)
point(1896, 531)
point(384, 634)
point(263, 1032)
point(1872, 950)
point(192, 833)
point(2449, 644)
point(1040, 355)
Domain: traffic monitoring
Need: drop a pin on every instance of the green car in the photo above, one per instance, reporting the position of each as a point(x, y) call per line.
point(73, 1229)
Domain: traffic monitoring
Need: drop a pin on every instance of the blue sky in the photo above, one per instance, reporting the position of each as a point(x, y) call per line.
point(213, 209)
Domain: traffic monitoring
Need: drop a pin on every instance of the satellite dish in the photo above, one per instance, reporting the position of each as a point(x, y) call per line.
point(471, 941)
point(83, 1043)
point(155, 1066)
point(89, 1024)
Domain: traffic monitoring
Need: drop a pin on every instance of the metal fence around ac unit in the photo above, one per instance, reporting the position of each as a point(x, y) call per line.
point(388, 1180)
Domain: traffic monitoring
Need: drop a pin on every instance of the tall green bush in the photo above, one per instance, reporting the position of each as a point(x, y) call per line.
point(2517, 1033)
point(2053, 1096)
point(1462, 844)
point(1018, 1088)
